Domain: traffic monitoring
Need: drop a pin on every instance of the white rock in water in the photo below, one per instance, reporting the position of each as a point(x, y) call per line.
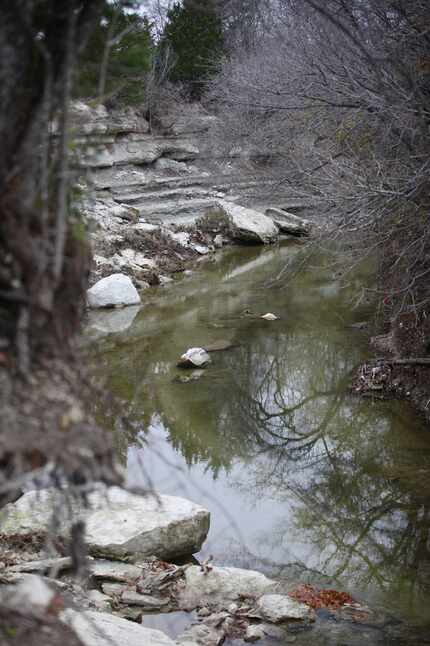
point(218, 241)
point(220, 586)
point(102, 629)
point(116, 289)
point(118, 524)
point(269, 317)
point(194, 358)
point(279, 607)
point(248, 224)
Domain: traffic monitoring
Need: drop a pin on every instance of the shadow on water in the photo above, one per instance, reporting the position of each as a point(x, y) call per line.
point(293, 468)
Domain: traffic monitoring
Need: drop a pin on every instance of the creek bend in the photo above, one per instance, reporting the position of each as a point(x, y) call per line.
point(295, 470)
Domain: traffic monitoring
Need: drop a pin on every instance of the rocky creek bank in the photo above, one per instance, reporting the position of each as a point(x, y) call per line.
point(140, 567)
point(157, 202)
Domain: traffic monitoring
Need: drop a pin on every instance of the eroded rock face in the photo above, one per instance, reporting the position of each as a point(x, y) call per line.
point(114, 290)
point(88, 120)
point(118, 524)
point(221, 585)
point(248, 224)
point(102, 629)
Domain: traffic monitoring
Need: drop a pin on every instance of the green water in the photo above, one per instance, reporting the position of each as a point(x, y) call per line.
point(293, 468)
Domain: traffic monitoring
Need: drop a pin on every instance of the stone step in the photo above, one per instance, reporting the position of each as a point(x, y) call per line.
point(160, 183)
point(177, 194)
point(179, 211)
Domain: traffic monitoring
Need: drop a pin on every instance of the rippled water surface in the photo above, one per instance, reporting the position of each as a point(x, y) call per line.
point(293, 468)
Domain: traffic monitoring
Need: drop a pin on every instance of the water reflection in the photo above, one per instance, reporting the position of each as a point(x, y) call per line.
point(269, 436)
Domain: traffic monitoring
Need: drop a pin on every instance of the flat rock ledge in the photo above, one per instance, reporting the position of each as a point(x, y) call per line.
point(119, 525)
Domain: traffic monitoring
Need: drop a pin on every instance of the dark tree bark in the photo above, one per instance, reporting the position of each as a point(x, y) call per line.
point(43, 259)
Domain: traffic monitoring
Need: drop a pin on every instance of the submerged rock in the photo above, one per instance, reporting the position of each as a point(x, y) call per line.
point(118, 524)
point(247, 224)
point(269, 317)
point(201, 635)
point(102, 629)
point(116, 289)
point(194, 358)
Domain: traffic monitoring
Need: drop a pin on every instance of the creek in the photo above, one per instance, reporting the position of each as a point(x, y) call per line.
point(298, 473)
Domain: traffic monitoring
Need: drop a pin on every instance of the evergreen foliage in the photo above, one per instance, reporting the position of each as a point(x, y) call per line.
point(194, 36)
point(117, 57)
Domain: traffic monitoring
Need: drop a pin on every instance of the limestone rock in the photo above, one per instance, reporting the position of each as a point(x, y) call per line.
point(248, 224)
point(31, 594)
point(113, 570)
point(101, 601)
point(289, 223)
point(254, 633)
point(113, 589)
point(132, 258)
point(146, 601)
point(220, 586)
point(194, 358)
point(116, 289)
point(171, 166)
point(118, 524)
point(106, 214)
point(179, 149)
point(280, 607)
point(102, 629)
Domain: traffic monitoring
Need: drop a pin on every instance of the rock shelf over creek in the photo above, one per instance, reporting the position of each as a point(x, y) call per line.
point(153, 202)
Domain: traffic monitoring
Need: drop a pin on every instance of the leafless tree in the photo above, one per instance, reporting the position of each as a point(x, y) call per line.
point(336, 93)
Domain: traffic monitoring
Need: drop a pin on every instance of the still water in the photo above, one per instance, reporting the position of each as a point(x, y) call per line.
point(297, 472)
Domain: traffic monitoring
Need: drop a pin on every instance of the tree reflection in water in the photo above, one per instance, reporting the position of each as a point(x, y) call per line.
point(355, 472)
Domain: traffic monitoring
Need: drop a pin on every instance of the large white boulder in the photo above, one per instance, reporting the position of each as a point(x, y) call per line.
point(118, 524)
point(103, 629)
point(114, 290)
point(248, 224)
